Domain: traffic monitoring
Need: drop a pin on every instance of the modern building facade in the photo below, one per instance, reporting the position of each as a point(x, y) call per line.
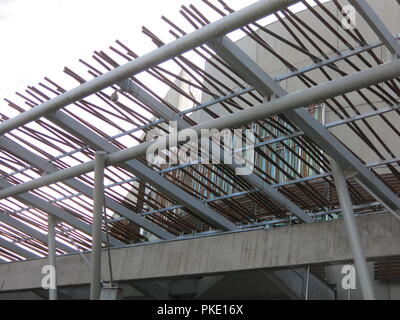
point(299, 162)
point(320, 96)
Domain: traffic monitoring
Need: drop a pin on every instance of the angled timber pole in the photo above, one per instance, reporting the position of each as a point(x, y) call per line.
point(254, 75)
point(292, 101)
point(22, 153)
point(378, 26)
point(352, 232)
point(217, 29)
point(10, 246)
point(98, 204)
point(255, 181)
point(25, 228)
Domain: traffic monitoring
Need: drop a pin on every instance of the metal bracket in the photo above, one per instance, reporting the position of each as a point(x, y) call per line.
point(111, 291)
point(348, 174)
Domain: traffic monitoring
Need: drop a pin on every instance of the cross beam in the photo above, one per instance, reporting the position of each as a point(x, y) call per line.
point(31, 231)
point(40, 163)
point(55, 211)
point(377, 25)
point(144, 172)
point(255, 181)
point(313, 95)
point(217, 29)
point(17, 249)
point(267, 86)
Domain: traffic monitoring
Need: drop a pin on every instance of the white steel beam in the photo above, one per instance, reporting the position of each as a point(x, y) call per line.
point(18, 250)
point(57, 212)
point(267, 86)
point(11, 221)
point(255, 181)
point(377, 25)
point(98, 205)
point(144, 172)
point(217, 29)
point(40, 163)
point(52, 255)
point(284, 104)
point(353, 233)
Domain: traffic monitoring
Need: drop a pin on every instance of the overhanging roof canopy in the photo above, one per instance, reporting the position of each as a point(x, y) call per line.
point(51, 132)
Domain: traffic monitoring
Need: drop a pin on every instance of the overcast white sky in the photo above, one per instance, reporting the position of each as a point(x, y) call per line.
point(39, 38)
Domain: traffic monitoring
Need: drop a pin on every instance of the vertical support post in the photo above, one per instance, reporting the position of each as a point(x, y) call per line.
point(98, 203)
point(307, 283)
point(51, 227)
point(352, 232)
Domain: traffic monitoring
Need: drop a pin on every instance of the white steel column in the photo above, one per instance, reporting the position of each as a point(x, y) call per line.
point(352, 232)
point(98, 204)
point(51, 226)
point(254, 75)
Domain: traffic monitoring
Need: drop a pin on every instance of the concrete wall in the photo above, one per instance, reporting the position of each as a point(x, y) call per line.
point(389, 14)
point(384, 289)
point(285, 247)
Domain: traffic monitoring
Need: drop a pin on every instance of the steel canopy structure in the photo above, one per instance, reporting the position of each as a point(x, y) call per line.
point(51, 144)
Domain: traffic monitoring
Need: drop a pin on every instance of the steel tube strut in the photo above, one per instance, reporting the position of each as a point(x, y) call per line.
point(217, 29)
point(267, 86)
point(145, 173)
point(376, 24)
point(51, 226)
point(255, 181)
point(352, 232)
point(25, 228)
point(293, 101)
point(98, 205)
point(17, 249)
point(40, 163)
point(54, 210)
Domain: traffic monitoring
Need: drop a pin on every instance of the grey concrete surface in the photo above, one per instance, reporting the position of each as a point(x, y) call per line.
point(316, 243)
